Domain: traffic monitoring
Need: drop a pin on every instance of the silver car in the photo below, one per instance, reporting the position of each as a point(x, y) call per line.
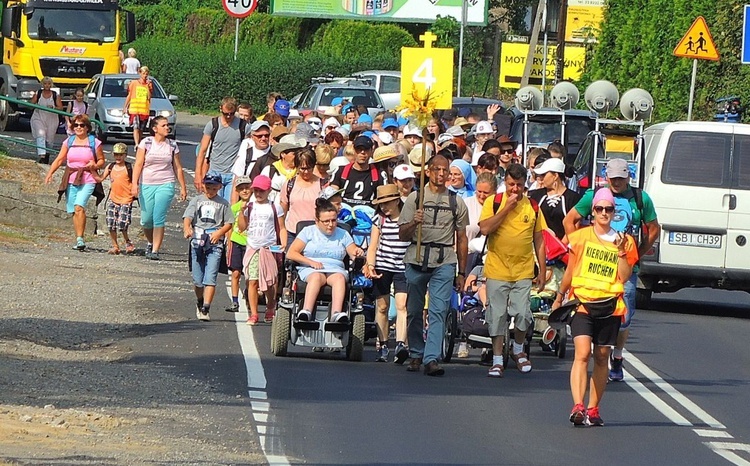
point(106, 94)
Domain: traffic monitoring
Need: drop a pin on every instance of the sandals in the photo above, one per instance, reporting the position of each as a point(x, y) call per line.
point(114, 251)
point(495, 371)
point(129, 248)
point(522, 362)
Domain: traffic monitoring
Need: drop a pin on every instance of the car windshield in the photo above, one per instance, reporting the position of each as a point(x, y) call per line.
point(72, 25)
point(118, 87)
point(549, 131)
point(366, 97)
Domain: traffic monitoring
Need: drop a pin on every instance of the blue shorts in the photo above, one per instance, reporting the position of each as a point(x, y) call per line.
point(155, 200)
point(629, 298)
point(205, 263)
point(78, 195)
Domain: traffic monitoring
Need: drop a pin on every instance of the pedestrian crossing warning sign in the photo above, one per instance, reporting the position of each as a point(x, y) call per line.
point(697, 42)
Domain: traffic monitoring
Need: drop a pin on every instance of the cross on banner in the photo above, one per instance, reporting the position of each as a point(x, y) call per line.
point(428, 38)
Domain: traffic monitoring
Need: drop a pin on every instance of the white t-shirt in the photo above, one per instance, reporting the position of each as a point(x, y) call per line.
point(131, 65)
point(238, 169)
point(261, 231)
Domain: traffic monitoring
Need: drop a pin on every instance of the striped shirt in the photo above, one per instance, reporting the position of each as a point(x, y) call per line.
point(391, 250)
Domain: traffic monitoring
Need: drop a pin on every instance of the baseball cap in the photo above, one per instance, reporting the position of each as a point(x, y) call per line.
point(332, 121)
point(262, 182)
point(212, 177)
point(484, 127)
point(364, 142)
point(456, 131)
point(307, 132)
point(120, 148)
point(281, 107)
point(413, 131)
point(242, 180)
point(294, 114)
point(450, 114)
point(364, 119)
point(464, 112)
point(328, 192)
point(390, 123)
point(337, 101)
point(403, 172)
point(550, 165)
point(617, 168)
point(258, 124)
point(385, 138)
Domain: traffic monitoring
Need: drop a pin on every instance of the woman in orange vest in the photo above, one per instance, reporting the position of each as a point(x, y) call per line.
point(138, 103)
point(601, 261)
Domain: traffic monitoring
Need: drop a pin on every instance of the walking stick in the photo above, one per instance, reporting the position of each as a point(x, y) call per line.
point(421, 193)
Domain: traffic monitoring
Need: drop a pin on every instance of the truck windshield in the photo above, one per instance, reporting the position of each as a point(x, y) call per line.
point(72, 25)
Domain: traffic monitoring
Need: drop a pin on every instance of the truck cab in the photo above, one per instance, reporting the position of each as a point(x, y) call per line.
point(67, 40)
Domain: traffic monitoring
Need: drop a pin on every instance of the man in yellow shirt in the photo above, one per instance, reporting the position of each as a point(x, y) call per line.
point(514, 231)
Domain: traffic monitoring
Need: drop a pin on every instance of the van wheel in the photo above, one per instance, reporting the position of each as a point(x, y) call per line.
point(7, 122)
point(356, 345)
point(280, 329)
point(643, 298)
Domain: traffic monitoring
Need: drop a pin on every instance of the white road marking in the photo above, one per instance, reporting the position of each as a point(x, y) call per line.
point(270, 441)
point(655, 401)
point(726, 451)
point(712, 433)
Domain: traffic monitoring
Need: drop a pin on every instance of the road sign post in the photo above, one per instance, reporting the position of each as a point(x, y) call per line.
point(238, 9)
point(698, 44)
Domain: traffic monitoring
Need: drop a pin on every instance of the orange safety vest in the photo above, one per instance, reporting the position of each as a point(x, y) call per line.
point(140, 100)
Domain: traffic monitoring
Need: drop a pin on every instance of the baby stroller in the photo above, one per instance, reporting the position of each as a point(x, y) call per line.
point(348, 334)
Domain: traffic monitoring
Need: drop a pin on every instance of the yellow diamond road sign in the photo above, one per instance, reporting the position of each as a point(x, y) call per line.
point(697, 42)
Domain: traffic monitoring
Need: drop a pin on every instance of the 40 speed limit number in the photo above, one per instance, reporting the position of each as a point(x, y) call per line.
point(239, 8)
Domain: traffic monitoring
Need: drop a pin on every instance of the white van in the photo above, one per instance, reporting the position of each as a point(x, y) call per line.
point(698, 175)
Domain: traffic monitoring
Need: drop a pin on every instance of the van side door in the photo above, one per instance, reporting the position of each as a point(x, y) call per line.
point(738, 228)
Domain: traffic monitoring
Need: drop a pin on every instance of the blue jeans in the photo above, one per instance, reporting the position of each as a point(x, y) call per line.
point(629, 298)
point(226, 186)
point(440, 282)
point(205, 263)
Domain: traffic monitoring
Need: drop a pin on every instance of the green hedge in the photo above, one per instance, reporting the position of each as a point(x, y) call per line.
point(348, 38)
point(202, 75)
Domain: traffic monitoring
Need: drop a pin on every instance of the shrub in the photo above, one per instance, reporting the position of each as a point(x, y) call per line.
point(348, 38)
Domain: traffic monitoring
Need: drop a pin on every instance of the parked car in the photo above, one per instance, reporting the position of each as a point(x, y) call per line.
point(387, 83)
point(323, 90)
point(106, 94)
point(477, 105)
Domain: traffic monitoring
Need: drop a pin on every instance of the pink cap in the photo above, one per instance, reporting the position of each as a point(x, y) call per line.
point(264, 183)
point(603, 195)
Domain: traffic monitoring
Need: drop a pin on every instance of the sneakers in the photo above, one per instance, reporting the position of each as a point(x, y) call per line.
point(202, 314)
point(463, 350)
point(340, 317)
point(270, 314)
point(382, 354)
point(615, 369)
point(592, 418)
point(252, 320)
point(402, 352)
point(304, 316)
point(236, 308)
point(154, 256)
point(149, 249)
point(578, 415)
point(80, 245)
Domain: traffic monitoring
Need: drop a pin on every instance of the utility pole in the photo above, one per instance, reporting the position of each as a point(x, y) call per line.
point(562, 18)
point(532, 42)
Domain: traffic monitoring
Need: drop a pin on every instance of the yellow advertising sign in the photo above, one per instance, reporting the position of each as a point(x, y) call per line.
point(513, 61)
point(428, 69)
point(697, 42)
point(583, 20)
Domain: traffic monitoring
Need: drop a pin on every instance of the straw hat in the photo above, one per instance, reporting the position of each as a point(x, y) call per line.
point(386, 193)
point(384, 153)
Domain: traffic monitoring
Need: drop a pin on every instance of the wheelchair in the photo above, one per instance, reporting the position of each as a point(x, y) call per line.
point(319, 332)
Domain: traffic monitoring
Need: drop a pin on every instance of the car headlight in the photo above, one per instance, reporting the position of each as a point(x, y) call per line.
point(27, 94)
point(166, 113)
point(115, 112)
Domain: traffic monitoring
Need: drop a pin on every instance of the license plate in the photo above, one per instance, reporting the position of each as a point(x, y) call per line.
point(701, 240)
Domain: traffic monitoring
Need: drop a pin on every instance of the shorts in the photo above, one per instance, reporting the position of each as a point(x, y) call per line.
point(508, 298)
point(253, 267)
point(603, 332)
point(139, 122)
point(382, 285)
point(236, 256)
point(118, 216)
point(78, 195)
point(205, 263)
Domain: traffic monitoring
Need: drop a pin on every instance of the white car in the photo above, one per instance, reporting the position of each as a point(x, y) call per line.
point(387, 83)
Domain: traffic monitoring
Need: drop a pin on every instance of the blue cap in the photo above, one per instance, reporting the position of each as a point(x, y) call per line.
point(281, 107)
point(390, 123)
point(348, 108)
point(337, 101)
point(212, 177)
point(402, 121)
point(368, 133)
point(464, 112)
point(364, 119)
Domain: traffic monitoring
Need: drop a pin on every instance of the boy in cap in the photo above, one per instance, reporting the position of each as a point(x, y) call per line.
point(120, 201)
point(207, 219)
point(237, 240)
point(264, 228)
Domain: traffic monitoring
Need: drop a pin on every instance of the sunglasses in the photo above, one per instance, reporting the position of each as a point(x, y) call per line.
point(329, 221)
point(507, 151)
point(608, 209)
point(262, 136)
point(304, 169)
point(228, 115)
point(79, 125)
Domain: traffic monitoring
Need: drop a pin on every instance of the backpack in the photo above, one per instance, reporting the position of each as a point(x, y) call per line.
point(92, 143)
point(453, 208)
point(128, 167)
point(249, 208)
point(149, 141)
point(290, 186)
point(373, 172)
point(54, 96)
point(98, 188)
point(215, 129)
point(85, 106)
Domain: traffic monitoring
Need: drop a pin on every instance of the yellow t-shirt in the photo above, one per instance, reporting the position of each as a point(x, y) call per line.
point(510, 249)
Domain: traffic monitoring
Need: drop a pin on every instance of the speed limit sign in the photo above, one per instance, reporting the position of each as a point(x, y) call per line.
point(239, 8)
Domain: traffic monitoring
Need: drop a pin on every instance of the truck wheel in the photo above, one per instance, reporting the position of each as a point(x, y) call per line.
point(7, 122)
point(643, 298)
point(356, 345)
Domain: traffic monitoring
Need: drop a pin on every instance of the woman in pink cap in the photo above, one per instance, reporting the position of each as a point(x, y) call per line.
point(601, 261)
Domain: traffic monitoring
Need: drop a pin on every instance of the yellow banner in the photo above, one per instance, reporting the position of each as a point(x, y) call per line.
point(513, 61)
point(583, 20)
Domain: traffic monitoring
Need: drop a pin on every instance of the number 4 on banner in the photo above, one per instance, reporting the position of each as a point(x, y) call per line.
point(424, 74)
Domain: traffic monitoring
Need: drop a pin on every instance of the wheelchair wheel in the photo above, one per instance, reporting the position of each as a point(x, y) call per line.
point(280, 329)
point(356, 345)
point(562, 342)
point(506, 347)
point(449, 337)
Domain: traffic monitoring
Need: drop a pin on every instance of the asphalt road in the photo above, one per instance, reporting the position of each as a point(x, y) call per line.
point(684, 400)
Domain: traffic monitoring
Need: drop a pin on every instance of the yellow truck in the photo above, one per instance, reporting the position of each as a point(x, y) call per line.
point(67, 40)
